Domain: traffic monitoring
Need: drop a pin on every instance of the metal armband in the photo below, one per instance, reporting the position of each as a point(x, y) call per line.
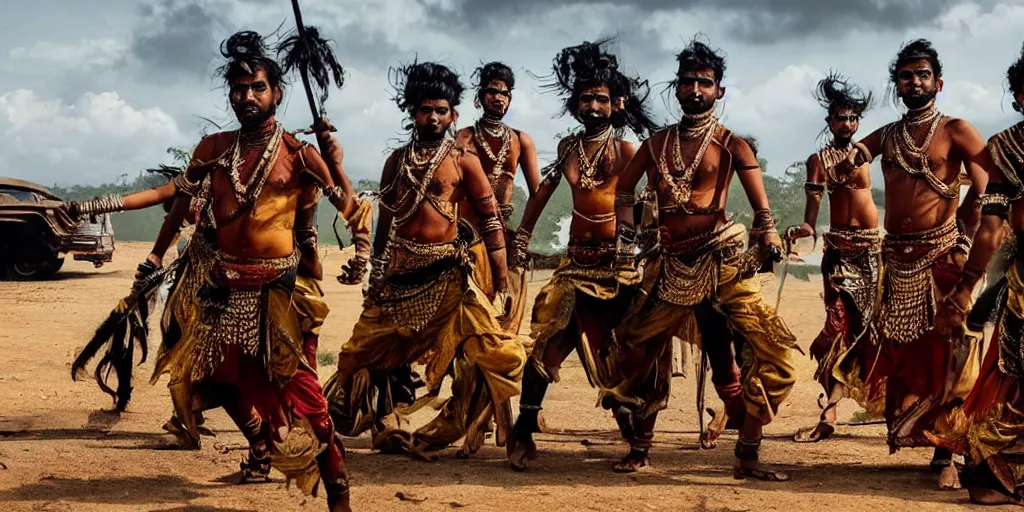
point(625, 199)
point(995, 204)
point(182, 185)
point(763, 220)
point(306, 236)
point(493, 233)
point(107, 204)
point(521, 247)
point(814, 189)
point(335, 193)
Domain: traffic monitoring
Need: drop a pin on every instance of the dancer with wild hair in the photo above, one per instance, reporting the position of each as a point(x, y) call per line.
point(582, 303)
point(422, 305)
point(851, 264)
point(701, 284)
point(502, 150)
point(242, 321)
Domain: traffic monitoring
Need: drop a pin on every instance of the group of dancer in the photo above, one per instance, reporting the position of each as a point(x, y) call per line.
point(446, 289)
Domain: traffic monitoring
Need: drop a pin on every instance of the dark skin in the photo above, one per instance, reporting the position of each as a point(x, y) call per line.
point(951, 317)
point(594, 110)
point(848, 208)
point(523, 152)
point(697, 92)
point(455, 181)
point(288, 190)
point(987, 241)
point(912, 204)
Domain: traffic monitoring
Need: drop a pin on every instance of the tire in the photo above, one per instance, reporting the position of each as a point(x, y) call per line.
point(32, 271)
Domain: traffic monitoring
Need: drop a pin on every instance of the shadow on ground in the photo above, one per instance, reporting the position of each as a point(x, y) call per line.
point(113, 491)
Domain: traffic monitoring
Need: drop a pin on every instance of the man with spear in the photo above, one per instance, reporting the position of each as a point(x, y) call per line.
point(242, 321)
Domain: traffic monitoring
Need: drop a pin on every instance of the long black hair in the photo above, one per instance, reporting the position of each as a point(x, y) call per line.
point(698, 56)
point(580, 67)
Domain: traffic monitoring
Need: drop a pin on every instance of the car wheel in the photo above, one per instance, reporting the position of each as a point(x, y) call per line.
point(34, 270)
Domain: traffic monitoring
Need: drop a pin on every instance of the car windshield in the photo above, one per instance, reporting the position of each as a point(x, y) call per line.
point(20, 195)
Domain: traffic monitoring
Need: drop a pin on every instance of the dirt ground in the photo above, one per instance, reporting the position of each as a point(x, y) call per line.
point(60, 451)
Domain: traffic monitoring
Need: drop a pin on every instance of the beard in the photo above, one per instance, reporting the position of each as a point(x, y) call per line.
point(916, 101)
point(250, 115)
point(694, 106)
point(431, 133)
point(492, 113)
point(594, 120)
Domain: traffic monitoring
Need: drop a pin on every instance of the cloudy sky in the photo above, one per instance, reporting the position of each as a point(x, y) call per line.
point(94, 89)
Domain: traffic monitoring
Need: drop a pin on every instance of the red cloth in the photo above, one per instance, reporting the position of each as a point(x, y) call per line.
point(918, 368)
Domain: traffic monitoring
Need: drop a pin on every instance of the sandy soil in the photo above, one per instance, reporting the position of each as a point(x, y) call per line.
point(60, 451)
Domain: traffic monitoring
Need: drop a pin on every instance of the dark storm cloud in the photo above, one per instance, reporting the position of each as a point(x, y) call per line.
point(755, 21)
point(176, 39)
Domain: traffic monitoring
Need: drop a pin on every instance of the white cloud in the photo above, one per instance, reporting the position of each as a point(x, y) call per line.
point(87, 54)
point(93, 139)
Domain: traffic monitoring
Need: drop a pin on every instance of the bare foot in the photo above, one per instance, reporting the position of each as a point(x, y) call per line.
point(985, 496)
point(949, 479)
point(502, 422)
point(519, 450)
point(819, 432)
point(826, 425)
point(183, 441)
point(474, 440)
point(754, 469)
point(709, 438)
point(632, 462)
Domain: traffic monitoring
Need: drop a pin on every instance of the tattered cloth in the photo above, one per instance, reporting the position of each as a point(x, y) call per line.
point(248, 324)
point(709, 267)
point(583, 291)
point(847, 346)
point(424, 279)
point(992, 426)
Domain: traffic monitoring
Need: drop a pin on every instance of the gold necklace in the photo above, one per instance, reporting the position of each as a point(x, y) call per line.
point(904, 149)
point(588, 166)
point(505, 134)
point(682, 187)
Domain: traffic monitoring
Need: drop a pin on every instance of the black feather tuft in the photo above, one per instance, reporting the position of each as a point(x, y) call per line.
point(166, 171)
point(125, 326)
point(835, 93)
point(314, 54)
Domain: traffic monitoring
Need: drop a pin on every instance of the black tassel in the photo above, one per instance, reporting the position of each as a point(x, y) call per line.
point(314, 54)
point(125, 326)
